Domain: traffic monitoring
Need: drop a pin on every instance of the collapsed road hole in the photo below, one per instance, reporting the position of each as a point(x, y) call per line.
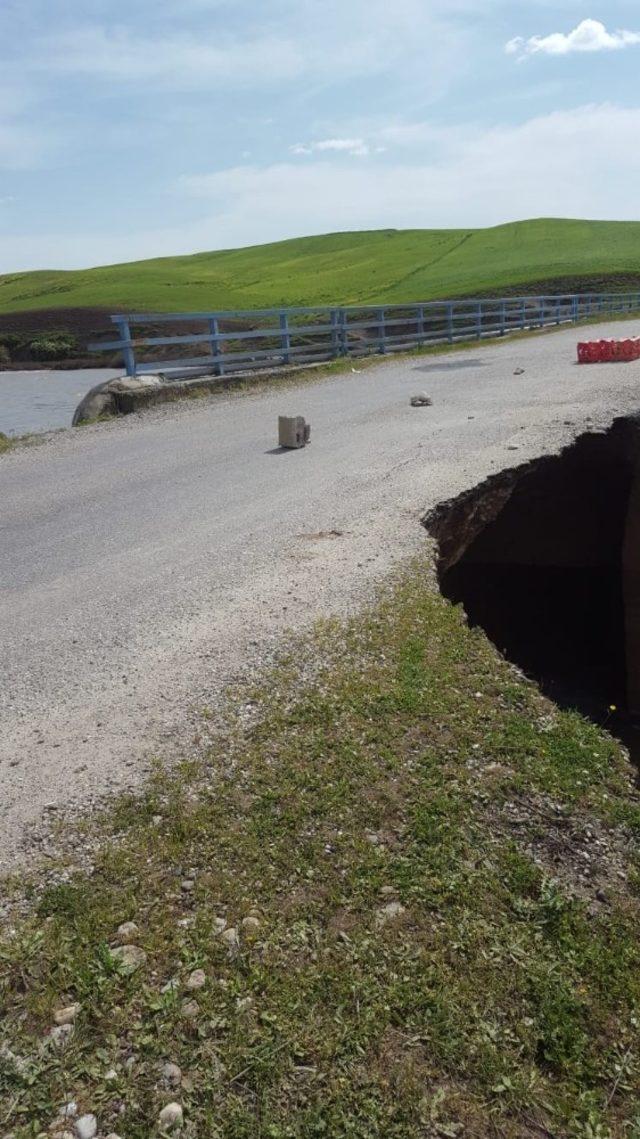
point(546, 559)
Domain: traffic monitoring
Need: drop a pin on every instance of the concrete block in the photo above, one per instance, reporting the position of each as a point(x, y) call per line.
point(293, 431)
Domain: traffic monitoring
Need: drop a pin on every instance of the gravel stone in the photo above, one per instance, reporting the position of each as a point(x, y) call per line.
point(66, 1015)
point(61, 1035)
point(390, 913)
point(171, 1117)
point(130, 957)
point(127, 933)
point(86, 1127)
point(171, 1075)
point(230, 937)
point(197, 980)
point(190, 1010)
point(68, 1110)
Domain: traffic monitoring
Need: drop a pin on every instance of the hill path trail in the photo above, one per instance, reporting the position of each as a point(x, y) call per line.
point(147, 562)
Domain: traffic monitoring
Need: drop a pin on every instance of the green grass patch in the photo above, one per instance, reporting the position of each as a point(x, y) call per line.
point(427, 867)
point(352, 268)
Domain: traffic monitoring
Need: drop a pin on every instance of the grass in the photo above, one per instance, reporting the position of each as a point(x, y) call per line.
point(351, 268)
point(392, 761)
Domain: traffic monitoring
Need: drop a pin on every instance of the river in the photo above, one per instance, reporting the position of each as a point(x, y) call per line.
point(40, 401)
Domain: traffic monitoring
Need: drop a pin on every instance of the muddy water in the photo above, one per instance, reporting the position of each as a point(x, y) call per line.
point(40, 401)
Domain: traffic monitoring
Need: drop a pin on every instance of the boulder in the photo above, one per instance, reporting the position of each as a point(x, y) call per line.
point(101, 400)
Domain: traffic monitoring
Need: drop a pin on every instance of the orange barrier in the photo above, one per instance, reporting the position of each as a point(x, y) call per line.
point(609, 351)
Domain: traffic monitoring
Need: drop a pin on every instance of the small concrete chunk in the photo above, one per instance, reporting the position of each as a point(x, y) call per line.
point(421, 400)
point(293, 431)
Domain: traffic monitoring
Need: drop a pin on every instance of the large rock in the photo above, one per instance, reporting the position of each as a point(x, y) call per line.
point(101, 399)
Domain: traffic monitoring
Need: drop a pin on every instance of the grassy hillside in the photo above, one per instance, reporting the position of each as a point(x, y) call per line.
point(384, 265)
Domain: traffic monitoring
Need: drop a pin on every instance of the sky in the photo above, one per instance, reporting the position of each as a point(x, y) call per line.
point(144, 128)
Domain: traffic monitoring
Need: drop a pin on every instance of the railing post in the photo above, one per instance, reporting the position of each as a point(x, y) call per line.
point(575, 310)
point(335, 333)
point(503, 318)
point(285, 336)
point(450, 322)
point(420, 325)
point(128, 354)
point(523, 314)
point(214, 329)
point(479, 321)
point(344, 332)
point(382, 343)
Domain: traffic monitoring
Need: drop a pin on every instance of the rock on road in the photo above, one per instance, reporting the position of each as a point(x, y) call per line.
point(146, 562)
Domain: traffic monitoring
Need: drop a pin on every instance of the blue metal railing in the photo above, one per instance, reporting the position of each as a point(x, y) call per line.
point(264, 338)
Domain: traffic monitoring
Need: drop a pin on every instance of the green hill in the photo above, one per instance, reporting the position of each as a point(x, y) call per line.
point(348, 268)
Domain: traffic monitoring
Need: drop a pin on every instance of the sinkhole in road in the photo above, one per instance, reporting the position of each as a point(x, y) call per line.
point(545, 557)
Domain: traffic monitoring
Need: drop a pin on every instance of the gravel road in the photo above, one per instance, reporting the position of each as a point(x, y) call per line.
point(147, 562)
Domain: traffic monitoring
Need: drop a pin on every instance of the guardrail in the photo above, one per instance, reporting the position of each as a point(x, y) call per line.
point(259, 338)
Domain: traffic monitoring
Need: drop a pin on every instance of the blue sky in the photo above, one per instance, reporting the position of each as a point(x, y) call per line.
point(152, 127)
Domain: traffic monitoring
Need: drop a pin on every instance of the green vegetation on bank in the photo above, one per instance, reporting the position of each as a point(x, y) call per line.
point(18, 347)
point(351, 268)
point(411, 887)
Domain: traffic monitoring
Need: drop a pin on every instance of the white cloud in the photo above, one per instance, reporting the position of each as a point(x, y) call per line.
point(588, 36)
point(356, 147)
point(546, 166)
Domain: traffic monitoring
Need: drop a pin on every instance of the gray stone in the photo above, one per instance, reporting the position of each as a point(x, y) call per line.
point(129, 957)
point(190, 1010)
point(171, 1075)
point(171, 1117)
point(66, 1015)
point(230, 937)
point(390, 913)
point(421, 400)
point(197, 980)
point(86, 1127)
point(100, 399)
point(68, 1110)
point(61, 1035)
point(127, 932)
